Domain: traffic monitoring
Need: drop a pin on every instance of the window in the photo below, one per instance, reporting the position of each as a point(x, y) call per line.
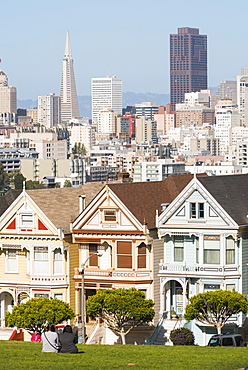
point(200, 210)
point(197, 250)
point(41, 263)
point(230, 250)
point(197, 210)
point(212, 249)
point(178, 248)
point(11, 260)
point(124, 255)
point(57, 261)
point(26, 220)
point(93, 261)
point(230, 286)
point(109, 215)
point(192, 210)
point(59, 296)
point(142, 256)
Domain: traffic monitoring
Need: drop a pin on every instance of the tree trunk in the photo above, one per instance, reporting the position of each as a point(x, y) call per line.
point(218, 327)
point(123, 338)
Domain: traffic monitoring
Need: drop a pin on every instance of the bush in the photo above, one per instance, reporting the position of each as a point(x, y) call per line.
point(182, 337)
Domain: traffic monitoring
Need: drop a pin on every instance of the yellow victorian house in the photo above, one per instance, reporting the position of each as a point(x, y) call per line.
point(35, 243)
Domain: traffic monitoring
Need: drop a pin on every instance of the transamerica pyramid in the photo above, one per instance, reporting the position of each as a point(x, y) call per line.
point(68, 91)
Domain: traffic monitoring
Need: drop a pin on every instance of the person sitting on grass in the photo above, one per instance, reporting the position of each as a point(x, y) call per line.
point(68, 340)
point(36, 336)
point(50, 339)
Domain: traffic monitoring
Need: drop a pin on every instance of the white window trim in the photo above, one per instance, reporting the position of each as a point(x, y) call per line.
point(6, 263)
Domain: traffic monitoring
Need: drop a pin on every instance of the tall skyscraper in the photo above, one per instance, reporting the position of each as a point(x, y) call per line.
point(106, 93)
point(8, 97)
point(68, 91)
point(188, 63)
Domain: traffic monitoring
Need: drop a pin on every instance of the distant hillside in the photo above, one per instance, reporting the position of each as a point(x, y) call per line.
point(129, 98)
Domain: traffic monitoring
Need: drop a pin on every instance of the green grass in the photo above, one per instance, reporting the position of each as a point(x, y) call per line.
point(23, 355)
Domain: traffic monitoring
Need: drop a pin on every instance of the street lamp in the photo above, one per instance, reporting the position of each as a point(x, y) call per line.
point(83, 294)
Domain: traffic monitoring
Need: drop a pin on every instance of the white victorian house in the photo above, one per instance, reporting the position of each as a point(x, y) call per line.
point(205, 233)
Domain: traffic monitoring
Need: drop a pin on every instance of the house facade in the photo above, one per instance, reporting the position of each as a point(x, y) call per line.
point(35, 243)
point(204, 231)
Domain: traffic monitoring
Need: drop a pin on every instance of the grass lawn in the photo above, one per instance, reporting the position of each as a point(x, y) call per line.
point(23, 355)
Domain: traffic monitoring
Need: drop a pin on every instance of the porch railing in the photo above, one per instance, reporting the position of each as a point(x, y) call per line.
point(199, 269)
point(154, 335)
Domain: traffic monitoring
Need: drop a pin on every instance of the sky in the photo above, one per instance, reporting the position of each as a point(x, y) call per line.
point(128, 38)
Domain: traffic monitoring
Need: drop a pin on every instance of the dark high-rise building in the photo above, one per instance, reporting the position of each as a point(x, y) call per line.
point(188, 63)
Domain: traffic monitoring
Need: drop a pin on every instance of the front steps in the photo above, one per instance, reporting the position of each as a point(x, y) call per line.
point(163, 337)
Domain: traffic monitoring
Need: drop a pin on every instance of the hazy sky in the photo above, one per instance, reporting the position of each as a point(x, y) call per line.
point(128, 38)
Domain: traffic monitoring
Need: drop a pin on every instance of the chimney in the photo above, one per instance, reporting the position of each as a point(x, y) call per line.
point(81, 203)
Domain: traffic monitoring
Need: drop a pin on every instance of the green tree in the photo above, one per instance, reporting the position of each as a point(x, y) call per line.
point(79, 149)
point(67, 184)
point(4, 177)
point(18, 180)
point(57, 185)
point(121, 309)
point(216, 307)
point(33, 185)
point(37, 311)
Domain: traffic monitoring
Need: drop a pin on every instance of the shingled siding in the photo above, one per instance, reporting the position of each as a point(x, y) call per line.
point(244, 263)
point(73, 263)
point(158, 252)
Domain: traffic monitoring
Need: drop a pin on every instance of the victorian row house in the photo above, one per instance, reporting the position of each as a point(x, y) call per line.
point(205, 236)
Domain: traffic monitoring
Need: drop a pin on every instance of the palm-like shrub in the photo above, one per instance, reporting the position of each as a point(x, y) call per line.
point(182, 337)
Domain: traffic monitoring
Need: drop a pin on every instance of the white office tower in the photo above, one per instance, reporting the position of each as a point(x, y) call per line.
point(8, 100)
point(106, 93)
point(227, 117)
point(83, 133)
point(68, 92)
point(49, 110)
point(242, 96)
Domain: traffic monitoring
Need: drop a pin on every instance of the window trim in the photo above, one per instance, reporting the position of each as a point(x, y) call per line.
point(196, 209)
point(22, 222)
point(7, 258)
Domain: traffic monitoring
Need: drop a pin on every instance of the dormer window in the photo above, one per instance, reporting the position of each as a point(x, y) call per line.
point(109, 215)
point(197, 210)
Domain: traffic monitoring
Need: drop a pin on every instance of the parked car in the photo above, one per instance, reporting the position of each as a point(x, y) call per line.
point(227, 340)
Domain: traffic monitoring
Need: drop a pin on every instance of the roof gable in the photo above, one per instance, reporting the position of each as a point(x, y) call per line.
point(106, 212)
point(178, 212)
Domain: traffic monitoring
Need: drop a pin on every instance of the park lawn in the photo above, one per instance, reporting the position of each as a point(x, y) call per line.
point(27, 355)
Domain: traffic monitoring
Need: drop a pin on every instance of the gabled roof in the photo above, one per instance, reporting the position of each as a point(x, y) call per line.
point(144, 198)
point(61, 205)
point(231, 192)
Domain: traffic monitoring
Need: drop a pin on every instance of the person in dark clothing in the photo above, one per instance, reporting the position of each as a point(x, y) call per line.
point(68, 341)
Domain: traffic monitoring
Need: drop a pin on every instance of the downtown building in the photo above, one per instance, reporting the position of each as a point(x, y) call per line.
point(8, 100)
point(49, 110)
point(68, 91)
point(106, 93)
point(188, 63)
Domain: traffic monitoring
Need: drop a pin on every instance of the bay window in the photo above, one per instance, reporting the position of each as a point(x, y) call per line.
point(230, 250)
point(178, 248)
point(212, 249)
point(41, 261)
point(57, 261)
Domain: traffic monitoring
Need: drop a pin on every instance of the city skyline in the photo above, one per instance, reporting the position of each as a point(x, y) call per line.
point(134, 45)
